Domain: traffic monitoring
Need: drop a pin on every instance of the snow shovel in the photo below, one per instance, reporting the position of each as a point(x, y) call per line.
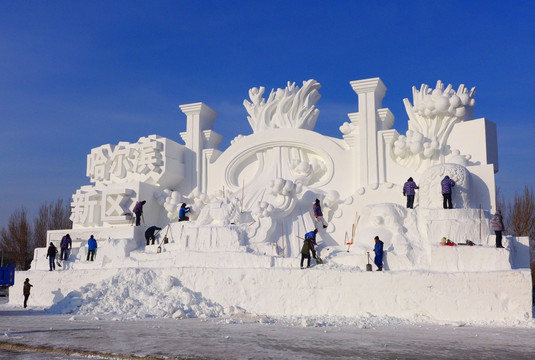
point(368, 266)
point(165, 240)
point(318, 260)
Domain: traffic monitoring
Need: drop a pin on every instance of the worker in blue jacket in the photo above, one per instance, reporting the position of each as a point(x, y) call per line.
point(378, 249)
point(308, 246)
point(183, 211)
point(91, 247)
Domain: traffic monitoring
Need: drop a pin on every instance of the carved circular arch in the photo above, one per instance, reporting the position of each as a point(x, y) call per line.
point(249, 146)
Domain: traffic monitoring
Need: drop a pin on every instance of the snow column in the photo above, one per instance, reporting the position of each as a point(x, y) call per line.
point(197, 137)
point(370, 96)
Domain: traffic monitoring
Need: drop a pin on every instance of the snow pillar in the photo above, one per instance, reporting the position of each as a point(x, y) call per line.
point(200, 122)
point(370, 96)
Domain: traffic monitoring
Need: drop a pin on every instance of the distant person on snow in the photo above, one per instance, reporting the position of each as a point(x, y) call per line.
point(65, 245)
point(150, 234)
point(91, 248)
point(318, 214)
point(138, 211)
point(408, 191)
point(308, 246)
point(378, 249)
point(447, 184)
point(498, 227)
point(51, 255)
point(26, 291)
point(182, 212)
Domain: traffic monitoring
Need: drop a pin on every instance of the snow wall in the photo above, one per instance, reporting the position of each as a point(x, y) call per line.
point(413, 295)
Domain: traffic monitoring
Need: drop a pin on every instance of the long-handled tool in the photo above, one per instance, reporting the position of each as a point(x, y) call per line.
point(181, 232)
point(165, 240)
point(368, 266)
point(321, 246)
point(353, 232)
point(347, 242)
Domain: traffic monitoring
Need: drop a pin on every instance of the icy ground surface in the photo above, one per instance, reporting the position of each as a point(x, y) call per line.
point(258, 338)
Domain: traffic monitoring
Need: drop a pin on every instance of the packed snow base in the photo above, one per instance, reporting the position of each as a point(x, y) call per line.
point(322, 292)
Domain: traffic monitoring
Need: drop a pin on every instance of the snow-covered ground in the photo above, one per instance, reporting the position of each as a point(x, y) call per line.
point(244, 337)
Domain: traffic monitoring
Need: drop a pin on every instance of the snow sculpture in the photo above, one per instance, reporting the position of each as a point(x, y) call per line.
point(263, 186)
point(252, 202)
point(388, 222)
point(432, 117)
point(223, 212)
point(146, 161)
point(170, 200)
point(123, 174)
point(84, 206)
point(291, 107)
point(431, 190)
point(279, 203)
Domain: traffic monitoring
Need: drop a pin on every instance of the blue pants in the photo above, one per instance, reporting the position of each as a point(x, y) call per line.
point(51, 262)
point(378, 260)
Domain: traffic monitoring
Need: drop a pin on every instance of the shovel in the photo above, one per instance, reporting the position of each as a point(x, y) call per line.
point(165, 240)
point(368, 266)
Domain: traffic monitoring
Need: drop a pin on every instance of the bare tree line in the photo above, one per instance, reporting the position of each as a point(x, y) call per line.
point(519, 213)
point(19, 239)
point(519, 219)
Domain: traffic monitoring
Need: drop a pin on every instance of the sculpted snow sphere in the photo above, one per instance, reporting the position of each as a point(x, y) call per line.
point(430, 188)
point(252, 203)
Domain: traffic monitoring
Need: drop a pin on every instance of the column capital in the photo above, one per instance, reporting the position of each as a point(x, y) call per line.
point(199, 109)
point(374, 85)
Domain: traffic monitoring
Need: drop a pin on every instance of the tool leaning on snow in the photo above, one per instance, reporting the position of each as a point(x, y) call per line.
point(368, 265)
point(165, 240)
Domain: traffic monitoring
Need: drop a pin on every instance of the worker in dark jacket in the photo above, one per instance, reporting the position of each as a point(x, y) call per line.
point(408, 191)
point(138, 211)
point(51, 255)
point(65, 245)
point(378, 249)
point(150, 234)
point(91, 248)
point(308, 246)
point(26, 291)
point(447, 184)
point(318, 214)
point(498, 227)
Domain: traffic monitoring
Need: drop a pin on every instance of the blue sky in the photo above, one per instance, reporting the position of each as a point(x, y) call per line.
point(78, 74)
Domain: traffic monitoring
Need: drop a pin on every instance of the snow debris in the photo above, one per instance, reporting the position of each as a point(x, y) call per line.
point(144, 295)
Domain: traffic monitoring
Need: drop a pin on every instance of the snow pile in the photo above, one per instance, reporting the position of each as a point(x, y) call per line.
point(138, 293)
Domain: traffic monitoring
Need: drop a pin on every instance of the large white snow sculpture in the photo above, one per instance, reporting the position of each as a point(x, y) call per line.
point(252, 204)
point(264, 183)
